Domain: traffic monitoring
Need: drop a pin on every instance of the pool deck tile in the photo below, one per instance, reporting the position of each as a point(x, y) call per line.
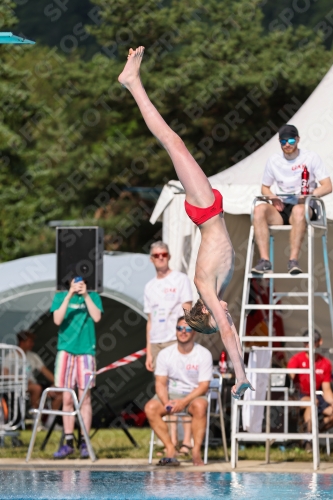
point(142, 465)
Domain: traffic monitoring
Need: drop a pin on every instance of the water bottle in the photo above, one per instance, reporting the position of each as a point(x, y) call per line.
point(223, 362)
point(305, 181)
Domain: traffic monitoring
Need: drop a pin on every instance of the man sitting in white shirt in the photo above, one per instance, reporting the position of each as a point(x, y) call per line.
point(183, 373)
point(285, 169)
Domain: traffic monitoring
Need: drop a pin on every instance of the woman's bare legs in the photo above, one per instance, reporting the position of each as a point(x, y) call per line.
point(197, 188)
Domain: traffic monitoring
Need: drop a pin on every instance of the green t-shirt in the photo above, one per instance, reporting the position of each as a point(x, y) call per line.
point(77, 331)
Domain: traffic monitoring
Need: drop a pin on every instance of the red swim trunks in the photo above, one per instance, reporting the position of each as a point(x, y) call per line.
point(200, 215)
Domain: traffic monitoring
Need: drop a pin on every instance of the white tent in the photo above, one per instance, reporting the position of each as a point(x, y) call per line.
point(27, 288)
point(28, 285)
point(239, 185)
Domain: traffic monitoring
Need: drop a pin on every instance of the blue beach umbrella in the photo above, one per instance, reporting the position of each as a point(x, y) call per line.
point(10, 38)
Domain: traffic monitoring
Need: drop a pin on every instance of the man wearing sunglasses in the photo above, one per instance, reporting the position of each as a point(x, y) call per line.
point(183, 373)
point(285, 169)
point(165, 296)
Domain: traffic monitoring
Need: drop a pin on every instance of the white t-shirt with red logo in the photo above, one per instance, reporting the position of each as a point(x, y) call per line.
point(184, 371)
point(163, 299)
point(287, 174)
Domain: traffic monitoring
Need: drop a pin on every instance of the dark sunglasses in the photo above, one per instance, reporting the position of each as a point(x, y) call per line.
point(290, 141)
point(157, 255)
point(187, 329)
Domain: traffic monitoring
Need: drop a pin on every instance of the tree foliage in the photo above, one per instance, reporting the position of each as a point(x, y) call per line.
point(51, 22)
point(74, 145)
point(58, 23)
point(293, 13)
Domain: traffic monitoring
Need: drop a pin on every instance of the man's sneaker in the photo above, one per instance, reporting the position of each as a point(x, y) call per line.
point(293, 267)
point(263, 266)
point(84, 450)
point(63, 452)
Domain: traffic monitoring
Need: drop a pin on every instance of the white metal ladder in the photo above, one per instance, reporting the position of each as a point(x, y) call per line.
point(321, 224)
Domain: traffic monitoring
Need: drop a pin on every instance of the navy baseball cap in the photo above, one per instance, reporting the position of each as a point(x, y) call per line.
point(316, 335)
point(288, 131)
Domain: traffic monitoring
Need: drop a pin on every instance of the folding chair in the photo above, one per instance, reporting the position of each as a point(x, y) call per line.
point(215, 389)
point(327, 435)
point(77, 412)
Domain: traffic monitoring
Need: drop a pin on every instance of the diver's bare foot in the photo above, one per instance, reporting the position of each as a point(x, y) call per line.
point(238, 390)
point(196, 457)
point(131, 71)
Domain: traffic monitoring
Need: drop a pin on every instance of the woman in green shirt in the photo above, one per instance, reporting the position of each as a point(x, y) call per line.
point(75, 312)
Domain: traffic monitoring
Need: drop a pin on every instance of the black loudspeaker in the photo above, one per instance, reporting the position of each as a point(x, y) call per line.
point(80, 253)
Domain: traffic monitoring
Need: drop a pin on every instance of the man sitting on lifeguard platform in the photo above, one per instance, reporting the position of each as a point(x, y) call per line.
point(285, 170)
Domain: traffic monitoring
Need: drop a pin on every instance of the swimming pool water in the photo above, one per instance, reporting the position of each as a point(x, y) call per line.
point(162, 485)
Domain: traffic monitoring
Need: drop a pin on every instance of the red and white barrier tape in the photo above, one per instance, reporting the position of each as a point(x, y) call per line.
point(123, 361)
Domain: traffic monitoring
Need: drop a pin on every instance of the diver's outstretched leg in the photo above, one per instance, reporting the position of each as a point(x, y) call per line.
point(197, 187)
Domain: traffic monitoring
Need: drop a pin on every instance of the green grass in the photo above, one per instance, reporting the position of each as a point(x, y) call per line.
point(292, 454)
point(113, 443)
